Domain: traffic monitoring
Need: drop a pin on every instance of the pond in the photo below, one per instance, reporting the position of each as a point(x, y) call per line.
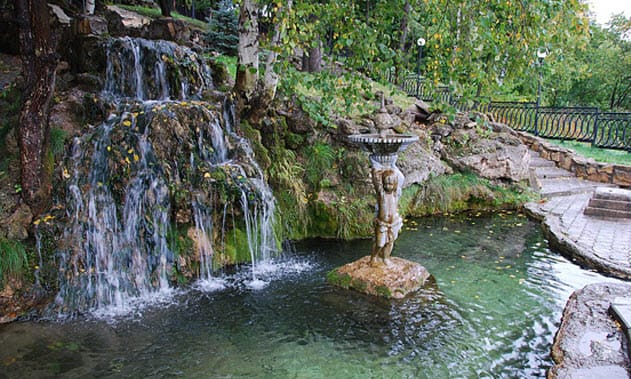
point(493, 312)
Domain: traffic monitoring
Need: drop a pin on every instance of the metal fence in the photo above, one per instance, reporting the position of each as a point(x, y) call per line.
point(586, 124)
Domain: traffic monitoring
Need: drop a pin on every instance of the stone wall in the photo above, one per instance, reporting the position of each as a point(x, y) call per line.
point(583, 167)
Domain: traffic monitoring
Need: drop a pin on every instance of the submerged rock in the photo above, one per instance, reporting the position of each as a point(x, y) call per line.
point(396, 279)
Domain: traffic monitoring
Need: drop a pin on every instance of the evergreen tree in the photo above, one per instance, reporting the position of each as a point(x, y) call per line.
point(223, 35)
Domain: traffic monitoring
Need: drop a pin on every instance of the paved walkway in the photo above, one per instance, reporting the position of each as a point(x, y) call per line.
point(600, 243)
point(589, 344)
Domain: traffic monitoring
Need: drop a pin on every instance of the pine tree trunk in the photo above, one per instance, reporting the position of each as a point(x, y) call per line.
point(39, 62)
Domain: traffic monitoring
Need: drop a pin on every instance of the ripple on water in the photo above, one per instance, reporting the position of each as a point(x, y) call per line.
point(492, 314)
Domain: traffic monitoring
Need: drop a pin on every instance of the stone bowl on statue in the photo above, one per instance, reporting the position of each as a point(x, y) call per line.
point(383, 145)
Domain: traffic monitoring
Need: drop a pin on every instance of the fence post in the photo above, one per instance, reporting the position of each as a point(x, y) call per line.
point(596, 119)
point(536, 129)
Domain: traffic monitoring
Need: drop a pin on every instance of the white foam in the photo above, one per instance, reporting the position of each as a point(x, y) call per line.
point(211, 284)
point(256, 284)
point(133, 307)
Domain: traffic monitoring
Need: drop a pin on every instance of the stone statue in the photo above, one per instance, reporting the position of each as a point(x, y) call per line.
point(388, 222)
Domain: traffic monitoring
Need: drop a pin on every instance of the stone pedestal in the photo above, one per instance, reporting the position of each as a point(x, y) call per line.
point(396, 279)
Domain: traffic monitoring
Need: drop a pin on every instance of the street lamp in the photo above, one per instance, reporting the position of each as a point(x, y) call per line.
point(420, 43)
point(542, 53)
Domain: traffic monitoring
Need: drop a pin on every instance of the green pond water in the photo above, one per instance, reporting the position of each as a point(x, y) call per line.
point(494, 310)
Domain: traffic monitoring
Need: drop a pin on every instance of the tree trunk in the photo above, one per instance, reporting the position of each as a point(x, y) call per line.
point(165, 7)
point(403, 28)
point(89, 7)
point(248, 53)
point(39, 62)
point(312, 61)
point(270, 79)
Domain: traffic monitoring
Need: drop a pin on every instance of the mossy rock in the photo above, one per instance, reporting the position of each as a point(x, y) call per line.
point(396, 279)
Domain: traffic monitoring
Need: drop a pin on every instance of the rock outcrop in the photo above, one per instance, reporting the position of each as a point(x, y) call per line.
point(490, 151)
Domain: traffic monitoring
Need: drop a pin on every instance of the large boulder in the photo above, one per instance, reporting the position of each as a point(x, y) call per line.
point(396, 279)
point(491, 153)
point(418, 163)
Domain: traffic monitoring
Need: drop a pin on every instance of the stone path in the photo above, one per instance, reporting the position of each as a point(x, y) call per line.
point(590, 343)
point(601, 243)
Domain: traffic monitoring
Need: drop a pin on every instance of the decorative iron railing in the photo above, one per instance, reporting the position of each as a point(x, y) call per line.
point(586, 124)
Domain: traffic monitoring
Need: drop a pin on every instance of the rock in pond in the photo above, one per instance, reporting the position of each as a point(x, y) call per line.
point(396, 279)
point(590, 343)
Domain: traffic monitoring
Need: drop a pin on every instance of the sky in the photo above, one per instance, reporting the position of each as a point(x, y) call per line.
point(603, 9)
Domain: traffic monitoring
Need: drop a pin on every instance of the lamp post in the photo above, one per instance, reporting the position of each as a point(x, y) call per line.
point(542, 53)
point(420, 43)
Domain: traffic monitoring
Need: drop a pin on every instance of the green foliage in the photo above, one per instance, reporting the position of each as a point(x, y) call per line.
point(235, 249)
point(461, 192)
point(179, 242)
point(596, 73)
point(473, 46)
point(57, 141)
point(13, 259)
point(229, 62)
point(383, 291)
point(322, 94)
point(222, 35)
point(353, 217)
point(286, 177)
point(320, 159)
point(337, 279)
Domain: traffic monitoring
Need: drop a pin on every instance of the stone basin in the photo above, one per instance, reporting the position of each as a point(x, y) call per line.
point(383, 145)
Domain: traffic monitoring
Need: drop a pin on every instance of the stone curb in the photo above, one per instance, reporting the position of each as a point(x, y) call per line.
point(569, 249)
point(589, 343)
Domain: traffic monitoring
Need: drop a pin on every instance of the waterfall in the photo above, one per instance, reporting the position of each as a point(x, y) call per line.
point(158, 70)
point(122, 178)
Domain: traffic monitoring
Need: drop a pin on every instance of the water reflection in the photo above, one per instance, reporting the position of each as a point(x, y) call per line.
point(497, 301)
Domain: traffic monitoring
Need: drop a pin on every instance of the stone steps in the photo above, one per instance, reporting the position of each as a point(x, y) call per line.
point(536, 161)
point(552, 173)
point(610, 202)
point(564, 186)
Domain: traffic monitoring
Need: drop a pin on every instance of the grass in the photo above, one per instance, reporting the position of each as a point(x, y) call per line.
point(586, 150)
point(156, 13)
point(229, 62)
point(13, 259)
point(461, 192)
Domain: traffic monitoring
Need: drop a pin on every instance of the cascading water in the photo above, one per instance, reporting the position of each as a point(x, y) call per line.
point(151, 164)
point(158, 70)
